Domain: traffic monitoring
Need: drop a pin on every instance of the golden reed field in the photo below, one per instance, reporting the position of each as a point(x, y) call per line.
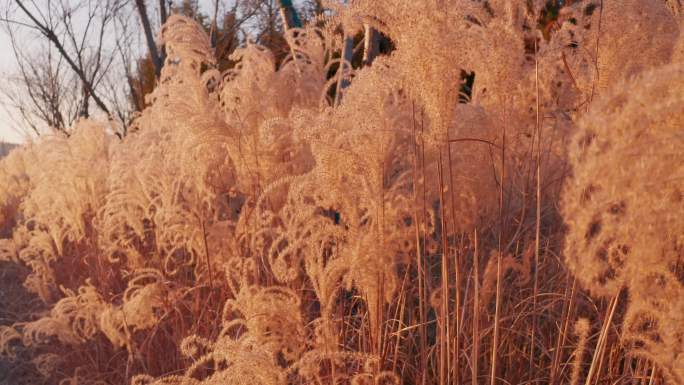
point(319, 221)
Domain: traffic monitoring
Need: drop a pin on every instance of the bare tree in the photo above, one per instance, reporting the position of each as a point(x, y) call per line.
point(93, 44)
point(237, 19)
point(44, 92)
point(80, 37)
point(225, 34)
point(157, 57)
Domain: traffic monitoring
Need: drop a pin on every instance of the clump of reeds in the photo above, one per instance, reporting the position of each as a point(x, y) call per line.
point(381, 225)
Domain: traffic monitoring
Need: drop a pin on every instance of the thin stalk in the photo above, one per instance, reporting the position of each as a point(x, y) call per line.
point(419, 259)
point(537, 235)
point(600, 344)
point(596, 56)
point(399, 316)
point(499, 256)
point(206, 255)
point(651, 381)
point(426, 271)
point(476, 311)
point(569, 299)
point(457, 277)
point(445, 335)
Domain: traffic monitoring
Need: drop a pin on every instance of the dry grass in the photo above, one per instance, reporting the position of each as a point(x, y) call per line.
point(250, 230)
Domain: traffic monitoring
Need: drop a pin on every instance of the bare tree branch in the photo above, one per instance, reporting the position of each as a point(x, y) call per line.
point(49, 33)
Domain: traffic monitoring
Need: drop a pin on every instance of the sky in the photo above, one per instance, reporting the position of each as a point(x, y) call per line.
point(11, 129)
point(7, 65)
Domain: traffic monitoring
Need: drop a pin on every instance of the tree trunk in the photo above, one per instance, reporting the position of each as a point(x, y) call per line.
point(151, 44)
point(289, 14)
point(344, 68)
point(371, 44)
